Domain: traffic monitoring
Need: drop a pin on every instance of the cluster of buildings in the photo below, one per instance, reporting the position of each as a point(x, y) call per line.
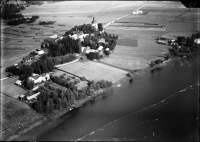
point(33, 56)
point(37, 79)
point(171, 40)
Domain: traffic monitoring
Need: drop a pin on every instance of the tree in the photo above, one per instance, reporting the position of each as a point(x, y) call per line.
point(29, 84)
point(38, 106)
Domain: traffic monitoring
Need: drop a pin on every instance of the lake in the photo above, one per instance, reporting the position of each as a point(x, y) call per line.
point(157, 105)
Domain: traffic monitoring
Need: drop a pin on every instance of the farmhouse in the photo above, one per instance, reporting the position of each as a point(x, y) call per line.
point(39, 52)
point(137, 12)
point(27, 59)
point(18, 82)
point(100, 48)
point(101, 40)
point(197, 41)
point(21, 97)
point(33, 97)
point(36, 78)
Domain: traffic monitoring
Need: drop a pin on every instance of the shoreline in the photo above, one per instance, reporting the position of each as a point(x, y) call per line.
point(52, 121)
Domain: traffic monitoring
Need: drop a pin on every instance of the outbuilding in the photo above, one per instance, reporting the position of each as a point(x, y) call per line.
point(18, 82)
point(100, 48)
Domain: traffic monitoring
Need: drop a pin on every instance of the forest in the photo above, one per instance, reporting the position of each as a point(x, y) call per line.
point(55, 99)
point(64, 46)
point(11, 12)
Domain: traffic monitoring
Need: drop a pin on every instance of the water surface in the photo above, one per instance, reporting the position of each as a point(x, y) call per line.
point(158, 105)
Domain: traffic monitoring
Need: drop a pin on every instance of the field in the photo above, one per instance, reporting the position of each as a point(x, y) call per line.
point(8, 87)
point(94, 71)
point(16, 116)
point(159, 20)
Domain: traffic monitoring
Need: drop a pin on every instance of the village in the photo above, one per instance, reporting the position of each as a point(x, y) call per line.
point(96, 48)
point(35, 81)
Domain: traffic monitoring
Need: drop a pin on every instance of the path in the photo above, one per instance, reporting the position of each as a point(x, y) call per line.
point(123, 16)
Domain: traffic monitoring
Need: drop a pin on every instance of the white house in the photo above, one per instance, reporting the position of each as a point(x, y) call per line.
point(34, 96)
point(54, 36)
point(40, 52)
point(100, 48)
point(38, 79)
point(18, 82)
point(137, 12)
point(107, 49)
point(35, 88)
point(197, 41)
point(74, 36)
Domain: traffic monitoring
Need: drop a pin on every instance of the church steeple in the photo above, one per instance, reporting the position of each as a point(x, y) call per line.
point(94, 20)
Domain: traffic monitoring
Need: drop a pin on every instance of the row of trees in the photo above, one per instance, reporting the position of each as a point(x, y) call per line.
point(64, 46)
point(189, 41)
point(46, 22)
point(65, 83)
point(44, 64)
point(93, 55)
point(22, 20)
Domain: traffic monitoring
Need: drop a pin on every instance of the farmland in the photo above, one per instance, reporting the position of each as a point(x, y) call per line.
point(138, 33)
point(135, 49)
point(16, 117)
point(94, 71)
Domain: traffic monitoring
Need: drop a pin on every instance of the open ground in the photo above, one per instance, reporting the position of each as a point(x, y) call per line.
point(94, 71)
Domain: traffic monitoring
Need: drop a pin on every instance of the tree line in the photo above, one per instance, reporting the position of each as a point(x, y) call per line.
point(185, 45)
point(44, 64)
point(85, 28)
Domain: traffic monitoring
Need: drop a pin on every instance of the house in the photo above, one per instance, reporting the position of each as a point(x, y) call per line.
point(18, 82)
point(27, 59)
point(33, 97)
point(137, 12)
point(107, 49)
point(197, 41)
point(87, 50)
point(101, 40)
point(35, 88)
point(51, 39)
point(83, 49)
point(54, 36)
point(100, 48)
point(74, 36)
point(36, 78)
point(162, 41)
point(21, 97)
point(94, 23)
point(40, 52)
